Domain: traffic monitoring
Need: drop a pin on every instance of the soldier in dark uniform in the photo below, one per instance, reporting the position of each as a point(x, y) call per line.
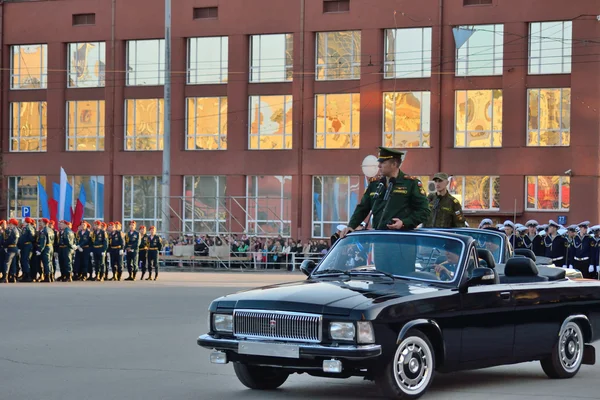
point(595, 252)
point(397, 201)
point(532, 240)
point(154, 248)
point(82, 256)
point(3, 277)
point(446, 211)
point(570, 236)
point(117, 244)
point(334, 238)
point(144, 244)
point(509, 230)
point(26, 241)
point(11, 239)
point(67, 246)
point(99, 246)
point(583, 247)
point(45, 249)
point(556, 245)
point(36, 262)
point(132, 241)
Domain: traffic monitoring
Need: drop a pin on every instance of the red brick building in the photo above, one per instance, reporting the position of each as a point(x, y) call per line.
point(276, 103)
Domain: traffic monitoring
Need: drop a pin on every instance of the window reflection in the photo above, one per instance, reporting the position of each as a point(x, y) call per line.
point(144, 124)
point(29, 66)
point(205, 208)
point(207, 60)
point(142, 201)
point(206, 123)
point(549, 117)
point(23, 192)
point(338, 55)
point(269, 205)
point(550, 47)
point(271, 58)
point(271, 122)
point(548, 192)
point(478, 118)
point(482, 53)
point(334, 199)
point(406, 120)
point(408, 53)
point(145, 62)
point(476, 192)
point(87, 64)
point(337, 121)
point(28, 131)
point(85, 125)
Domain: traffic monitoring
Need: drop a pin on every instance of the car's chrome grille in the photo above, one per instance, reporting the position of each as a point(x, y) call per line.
point(277, 325)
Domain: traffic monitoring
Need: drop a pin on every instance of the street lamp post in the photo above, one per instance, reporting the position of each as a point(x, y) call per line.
point(166, 162)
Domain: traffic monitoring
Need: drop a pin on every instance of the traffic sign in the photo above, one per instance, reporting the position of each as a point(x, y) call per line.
point(562, 219)
point(26, 211)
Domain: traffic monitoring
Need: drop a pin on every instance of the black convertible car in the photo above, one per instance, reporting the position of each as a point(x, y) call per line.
point(396, 307)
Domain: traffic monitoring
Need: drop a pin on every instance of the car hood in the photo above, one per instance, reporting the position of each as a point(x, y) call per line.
point(325, 296)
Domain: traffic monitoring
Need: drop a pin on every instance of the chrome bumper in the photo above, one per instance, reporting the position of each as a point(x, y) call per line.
point(308, 350)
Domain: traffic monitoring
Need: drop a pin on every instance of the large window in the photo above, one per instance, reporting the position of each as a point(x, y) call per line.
point(334, 200)
point(271, 58)
point(406, 119)
point(550, 47)
point(206, 123)
point(549, 117)
point(337, 121)
point(478, 118)
point(476, 192)
point(145, 62)
point(23, 192)
point(90, 189)
point(338, 55)
point(269, 205)
point(144, 124)
point(408, 53)
point(552, 193)
point(87, 64)
point(207, 60)
point(271, 123)
point(85, 125)
point(28, 131)
point(482, 53)
point(29, 66)
point(142, 200)
point(204, 204)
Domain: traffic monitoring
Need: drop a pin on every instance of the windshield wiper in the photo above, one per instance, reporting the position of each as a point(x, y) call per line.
point(369, 271)
point(331, 272)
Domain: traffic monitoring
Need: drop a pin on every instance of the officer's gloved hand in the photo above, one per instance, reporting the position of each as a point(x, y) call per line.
point(37, 253)
point(120, 252)
point(591, 269)
point(79, 249)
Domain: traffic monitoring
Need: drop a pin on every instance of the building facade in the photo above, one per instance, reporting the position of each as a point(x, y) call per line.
point(276, 103)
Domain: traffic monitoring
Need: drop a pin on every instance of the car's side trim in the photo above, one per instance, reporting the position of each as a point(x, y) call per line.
point(420, 322)
point(579, 317)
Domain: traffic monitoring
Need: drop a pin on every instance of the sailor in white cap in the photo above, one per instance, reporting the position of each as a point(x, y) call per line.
point(515, 240)
point(570, 236)
point(532, 240)
point(583, 247)
point(595, 231)
point(556, 245)
point(485, 223)
point(334, 238)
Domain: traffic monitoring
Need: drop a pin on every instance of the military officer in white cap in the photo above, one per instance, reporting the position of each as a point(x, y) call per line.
point(583, 247)
point(533, 241)
point(556, 245)
point(340, 228)
point(486, 223)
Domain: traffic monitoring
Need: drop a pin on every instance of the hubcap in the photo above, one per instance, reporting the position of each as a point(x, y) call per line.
point(570, 345)
point(413, 365)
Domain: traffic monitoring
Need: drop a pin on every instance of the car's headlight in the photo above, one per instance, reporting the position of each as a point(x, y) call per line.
point(366, 334)
point(223, 322)
point(342, 330)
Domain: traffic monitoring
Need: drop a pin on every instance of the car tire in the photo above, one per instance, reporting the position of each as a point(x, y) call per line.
point(411, 370)
point(260, 378)
point(567, 353)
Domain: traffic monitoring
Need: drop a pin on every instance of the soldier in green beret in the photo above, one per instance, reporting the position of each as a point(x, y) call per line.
point(446, 211)
point(397, 201)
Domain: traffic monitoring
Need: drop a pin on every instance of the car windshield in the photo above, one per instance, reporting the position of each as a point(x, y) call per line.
point(484, 240)
point(411, 256)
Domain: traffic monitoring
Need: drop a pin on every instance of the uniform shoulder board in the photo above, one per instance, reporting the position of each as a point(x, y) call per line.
point(456, 201)
point(412, 178)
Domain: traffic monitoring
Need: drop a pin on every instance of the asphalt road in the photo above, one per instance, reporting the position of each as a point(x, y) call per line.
point(137, 340)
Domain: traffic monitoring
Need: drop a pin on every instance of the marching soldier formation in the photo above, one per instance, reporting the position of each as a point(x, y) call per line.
point(34, 254)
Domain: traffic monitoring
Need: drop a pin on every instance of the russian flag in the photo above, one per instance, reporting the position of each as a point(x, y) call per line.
point(43, 196)
point(79, 208)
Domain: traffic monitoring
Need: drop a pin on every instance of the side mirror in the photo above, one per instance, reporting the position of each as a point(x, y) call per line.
point(480, 276)
point(307, 267)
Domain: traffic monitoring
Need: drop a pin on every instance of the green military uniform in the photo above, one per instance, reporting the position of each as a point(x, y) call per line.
point(407, 200)
point(446, 212)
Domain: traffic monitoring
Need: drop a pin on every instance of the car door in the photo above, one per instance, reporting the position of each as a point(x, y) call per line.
point(488, 322)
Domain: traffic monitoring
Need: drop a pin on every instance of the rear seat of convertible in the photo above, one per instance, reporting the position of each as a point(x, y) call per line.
point(521, 270)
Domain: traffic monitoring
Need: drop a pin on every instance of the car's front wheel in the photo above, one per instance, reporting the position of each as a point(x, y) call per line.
point(410, 372)
point(567, 354)
point(260, 378)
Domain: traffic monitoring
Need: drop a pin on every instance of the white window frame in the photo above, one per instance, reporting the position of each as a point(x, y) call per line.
point(259, 135)
point(192, 65)
point(286, 67)
point(14, 213)
point(353, 65)
point(466, 132)
point(566, 46)
point(194, 117)
point(189, 222)
point(43, 77)
point(325, 133)
point(97, 216)
point(69, 129)
point(100, 49)
point(135, 135)
point(497, 51)
point(560, 191)
point(348, 198)
point(539, 130)
point(491, 179)
point(425, 62)
point(41, 137)
point(131, 70)
point(156, 220)
point(394, 133)
point(253, 219)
